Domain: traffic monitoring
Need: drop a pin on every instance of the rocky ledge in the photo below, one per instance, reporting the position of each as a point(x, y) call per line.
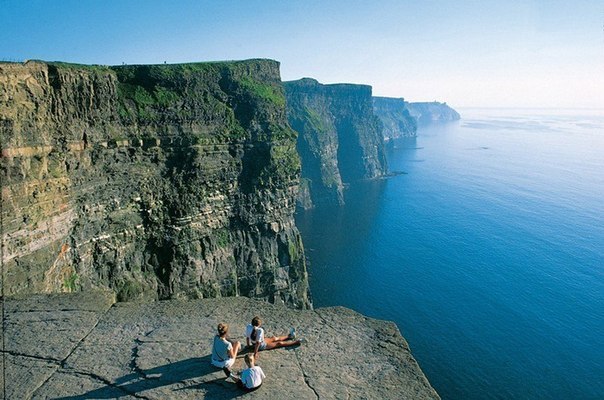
point(83, 345)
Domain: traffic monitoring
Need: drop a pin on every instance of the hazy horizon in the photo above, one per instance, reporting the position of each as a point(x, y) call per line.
point(535, 54)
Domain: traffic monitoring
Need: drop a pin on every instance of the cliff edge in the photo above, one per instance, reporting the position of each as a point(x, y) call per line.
point(395, 117)
point(340, 139)
point(82, 345)
point(432, 112)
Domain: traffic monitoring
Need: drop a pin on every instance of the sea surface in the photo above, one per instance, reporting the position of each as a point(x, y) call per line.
point(488, 253)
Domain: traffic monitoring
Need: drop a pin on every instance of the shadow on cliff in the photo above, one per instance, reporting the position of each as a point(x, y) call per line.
point(193, 374)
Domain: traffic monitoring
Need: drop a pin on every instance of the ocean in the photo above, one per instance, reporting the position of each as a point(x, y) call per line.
point(488, 253)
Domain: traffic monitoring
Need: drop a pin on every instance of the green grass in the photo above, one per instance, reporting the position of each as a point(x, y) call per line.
point(149, 93)
point(266, 91)
point(284, 164)
point(165, 97)
point(66, 65)
point(315, 121)
point(280, 132)
point(222, 237)
point(71, 282)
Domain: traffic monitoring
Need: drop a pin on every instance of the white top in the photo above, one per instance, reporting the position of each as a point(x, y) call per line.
point(259, 334)
point(252, 377)
point(220, 349)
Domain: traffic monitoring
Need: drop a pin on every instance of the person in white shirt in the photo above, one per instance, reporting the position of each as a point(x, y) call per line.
point(254, 335)
point(224, 351)
point(251, 377)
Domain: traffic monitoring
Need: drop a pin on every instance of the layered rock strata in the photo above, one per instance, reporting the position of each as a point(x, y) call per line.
point(394, 115)
point(79, 346)
point(156, 181)
point(340, 139)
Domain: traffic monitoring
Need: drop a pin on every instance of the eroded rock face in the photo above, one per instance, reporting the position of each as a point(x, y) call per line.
point(156, 181)
point(74, 346)
point(340, 139)
point(394, 115)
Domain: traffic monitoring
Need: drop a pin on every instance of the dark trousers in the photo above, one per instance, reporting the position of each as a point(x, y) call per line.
point(242, 386)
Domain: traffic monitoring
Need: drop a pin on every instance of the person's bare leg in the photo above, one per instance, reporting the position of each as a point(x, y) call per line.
point(283, 343)
point(276, 339)
point(237, 346)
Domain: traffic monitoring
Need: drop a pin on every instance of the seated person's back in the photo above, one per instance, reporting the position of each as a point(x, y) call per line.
point(251, 377)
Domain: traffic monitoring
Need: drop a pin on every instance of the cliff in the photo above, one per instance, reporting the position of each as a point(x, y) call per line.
point(340, 139)
point(76, 346)
point(395, 118)
point(156, 181)
point(434, 112)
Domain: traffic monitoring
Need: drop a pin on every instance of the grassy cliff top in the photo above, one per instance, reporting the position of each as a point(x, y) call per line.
point(231, 100)
point(67, 64)
point(313, 84)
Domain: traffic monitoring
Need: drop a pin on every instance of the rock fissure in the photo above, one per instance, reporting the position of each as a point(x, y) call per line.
point(40, 385)
point(61, 310)
point(64, 361)
point(305, 376)
point(325, 321)
point(18, 354)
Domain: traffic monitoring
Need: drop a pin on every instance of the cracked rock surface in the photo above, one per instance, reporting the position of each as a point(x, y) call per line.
point(81, 346)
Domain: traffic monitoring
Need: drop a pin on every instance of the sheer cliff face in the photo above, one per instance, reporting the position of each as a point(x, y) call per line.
point(340, 139)
point(434, 112)
point(155, 181)
point(395, 118)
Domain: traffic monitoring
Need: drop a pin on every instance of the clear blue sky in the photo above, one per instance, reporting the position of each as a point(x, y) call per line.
point(468, 53)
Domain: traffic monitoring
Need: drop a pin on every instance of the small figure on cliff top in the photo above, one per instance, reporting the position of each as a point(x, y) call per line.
point(224, 351)
point(251, 377)
point(254, 335)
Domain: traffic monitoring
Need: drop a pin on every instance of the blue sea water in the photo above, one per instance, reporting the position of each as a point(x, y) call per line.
point(488, 253)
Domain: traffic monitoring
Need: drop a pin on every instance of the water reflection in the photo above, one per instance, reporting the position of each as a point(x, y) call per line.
point(340, 230)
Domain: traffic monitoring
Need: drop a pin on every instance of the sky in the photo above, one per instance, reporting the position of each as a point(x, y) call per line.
point(489, 53)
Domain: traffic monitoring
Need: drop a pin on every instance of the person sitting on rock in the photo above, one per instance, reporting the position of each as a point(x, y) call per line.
point(251, 377)
point(224, 351)
point(254, 335)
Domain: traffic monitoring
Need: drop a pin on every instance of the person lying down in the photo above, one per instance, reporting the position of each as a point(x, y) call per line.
point(255, 337)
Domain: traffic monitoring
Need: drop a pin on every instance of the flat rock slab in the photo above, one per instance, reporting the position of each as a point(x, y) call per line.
point(82, 346)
